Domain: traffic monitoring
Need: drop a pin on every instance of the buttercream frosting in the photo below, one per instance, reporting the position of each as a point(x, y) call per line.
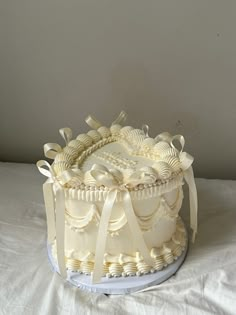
point(111, 185)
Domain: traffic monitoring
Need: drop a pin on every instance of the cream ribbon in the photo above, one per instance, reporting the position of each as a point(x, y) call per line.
point(103, 177)
point(136, 232)
point(145, 129)
point(66, 134)
point(95, 124)
point(121, 118)
point(186, 161)
point(54, 199)
point(52, 149)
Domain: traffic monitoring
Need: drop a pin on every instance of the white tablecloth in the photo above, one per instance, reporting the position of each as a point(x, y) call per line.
point(205, 284)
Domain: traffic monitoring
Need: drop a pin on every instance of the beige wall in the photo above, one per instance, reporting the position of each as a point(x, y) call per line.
point(170, 64)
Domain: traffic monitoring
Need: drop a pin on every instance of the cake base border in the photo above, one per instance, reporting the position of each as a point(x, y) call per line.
point(121, 285)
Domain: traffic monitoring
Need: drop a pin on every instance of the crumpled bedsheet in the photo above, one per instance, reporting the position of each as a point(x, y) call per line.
point(205, 284)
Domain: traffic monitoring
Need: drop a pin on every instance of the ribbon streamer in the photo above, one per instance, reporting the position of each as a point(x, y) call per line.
point(103, 227)
point(50, 209)
point(60, 230)
point(189, 178)
point(55, 212)
point(186, 161)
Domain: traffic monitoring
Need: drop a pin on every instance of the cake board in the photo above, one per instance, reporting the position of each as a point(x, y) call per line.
point(121, 285)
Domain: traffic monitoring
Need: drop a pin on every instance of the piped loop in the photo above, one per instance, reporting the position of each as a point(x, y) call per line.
point(54, 199)
point(120, 119)
point(45, 168)
point(66, 134)
point(145, 129)
point(51, 150)
point(93, 122)
point(181, 140)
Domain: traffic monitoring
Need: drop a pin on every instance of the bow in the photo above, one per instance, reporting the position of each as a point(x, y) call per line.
point(186, 161)
point(54, 199)
point(104, 177)
point(55, 211)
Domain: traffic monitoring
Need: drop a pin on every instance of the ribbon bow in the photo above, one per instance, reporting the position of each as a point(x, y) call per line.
point(186, 161)
point(54, 199)
point(104, 177)
point(55, 211)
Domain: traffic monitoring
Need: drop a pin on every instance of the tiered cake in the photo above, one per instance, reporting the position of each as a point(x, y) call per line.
point(112, 199)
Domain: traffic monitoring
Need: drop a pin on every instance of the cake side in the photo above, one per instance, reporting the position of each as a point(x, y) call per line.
point(157, 219)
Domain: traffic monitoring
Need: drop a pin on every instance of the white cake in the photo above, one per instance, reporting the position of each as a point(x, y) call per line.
point(113, 198)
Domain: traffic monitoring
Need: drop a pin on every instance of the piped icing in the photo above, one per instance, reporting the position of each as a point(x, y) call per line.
point(163, 158)
point(125, 265)
point(117, 174)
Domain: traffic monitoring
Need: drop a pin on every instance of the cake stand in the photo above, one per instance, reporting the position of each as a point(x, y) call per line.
point(121, 285)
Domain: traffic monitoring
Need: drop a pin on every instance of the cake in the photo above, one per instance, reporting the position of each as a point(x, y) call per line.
point(113, 197)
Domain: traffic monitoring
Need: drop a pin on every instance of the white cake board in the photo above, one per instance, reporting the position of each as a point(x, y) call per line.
point(121, 285)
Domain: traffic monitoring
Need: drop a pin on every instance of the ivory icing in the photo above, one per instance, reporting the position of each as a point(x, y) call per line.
point(116, 265)
point(109, 169)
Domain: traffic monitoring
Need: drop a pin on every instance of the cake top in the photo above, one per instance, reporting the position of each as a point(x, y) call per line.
point(115, 156)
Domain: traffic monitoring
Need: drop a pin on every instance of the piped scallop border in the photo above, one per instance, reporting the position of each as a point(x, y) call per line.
point(166, 160)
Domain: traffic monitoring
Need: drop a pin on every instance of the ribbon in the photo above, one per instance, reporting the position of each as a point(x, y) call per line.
point(55, 211)
point(51, 150)
point(189, 178)
point(103, 227)
point(186, 161)
point(145, 129)
point(103, 177)
point(121, 118)
point(93, 122)
point(164, 136)
point(66, 134)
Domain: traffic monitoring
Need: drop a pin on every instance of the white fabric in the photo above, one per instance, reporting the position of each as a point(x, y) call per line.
point(205, 284)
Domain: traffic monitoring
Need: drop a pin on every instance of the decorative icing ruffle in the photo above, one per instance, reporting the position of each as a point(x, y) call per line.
point(163, 209)
point(143, 192)
point(123, 265)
